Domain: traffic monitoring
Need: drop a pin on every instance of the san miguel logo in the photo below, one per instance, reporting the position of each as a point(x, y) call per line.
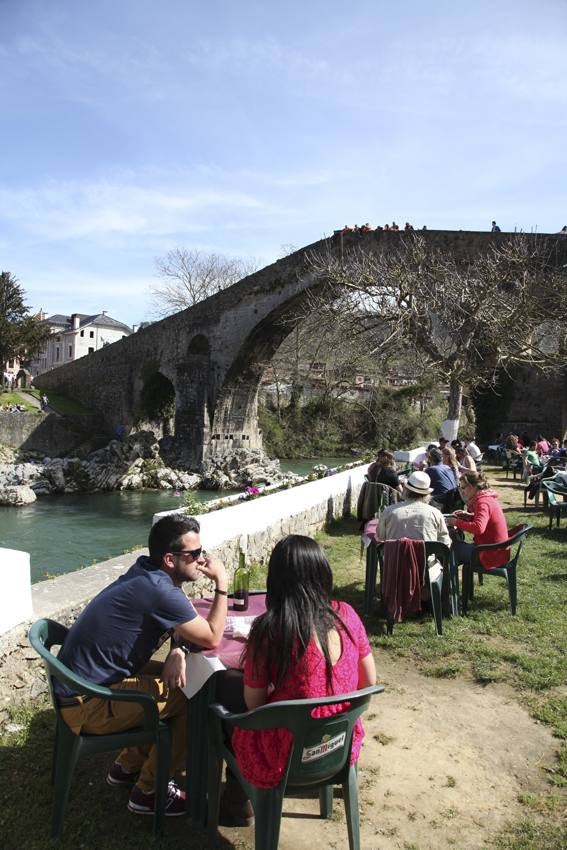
point(326, 746)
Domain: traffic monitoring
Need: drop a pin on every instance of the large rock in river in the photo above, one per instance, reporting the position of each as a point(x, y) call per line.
point(19, 495)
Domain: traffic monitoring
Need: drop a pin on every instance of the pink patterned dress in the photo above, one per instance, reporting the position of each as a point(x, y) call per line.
point(262, 755)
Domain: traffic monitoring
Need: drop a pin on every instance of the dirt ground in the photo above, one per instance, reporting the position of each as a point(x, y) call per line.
point(442, 766)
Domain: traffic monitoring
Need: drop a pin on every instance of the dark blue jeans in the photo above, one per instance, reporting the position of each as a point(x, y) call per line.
point(462, 552)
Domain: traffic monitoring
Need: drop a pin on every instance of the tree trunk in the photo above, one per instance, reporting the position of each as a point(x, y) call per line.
point(455, 399)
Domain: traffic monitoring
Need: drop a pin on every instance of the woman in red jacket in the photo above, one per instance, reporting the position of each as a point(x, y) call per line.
point(484, 519)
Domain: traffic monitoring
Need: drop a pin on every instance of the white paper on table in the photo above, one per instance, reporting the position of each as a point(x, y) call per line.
point(238, 627)
point(198, 669)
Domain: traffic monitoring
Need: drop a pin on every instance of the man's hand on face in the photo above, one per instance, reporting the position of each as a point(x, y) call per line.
point(173, 672)
point(212, 568)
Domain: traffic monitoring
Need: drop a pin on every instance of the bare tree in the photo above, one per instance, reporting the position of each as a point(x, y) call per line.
point(469, 316)
point(189, 276)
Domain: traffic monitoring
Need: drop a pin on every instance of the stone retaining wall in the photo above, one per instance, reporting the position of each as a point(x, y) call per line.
point(255, 525)
point(49, 434)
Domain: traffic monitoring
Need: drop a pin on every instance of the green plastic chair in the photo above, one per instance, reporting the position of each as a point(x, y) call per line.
point(43, 635)
point(437, 594)
point(507, 571)
point(555, 505)
point(321, 771)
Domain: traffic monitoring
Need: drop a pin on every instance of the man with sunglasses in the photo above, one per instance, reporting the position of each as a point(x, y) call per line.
point(112, 641)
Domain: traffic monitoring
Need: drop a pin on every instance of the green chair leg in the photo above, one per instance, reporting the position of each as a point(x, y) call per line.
point(350, 794)
point(268, 815)
point(512, 588)
point(66, 757)
point(326, 801)
point(370, 577)
point(214, 793)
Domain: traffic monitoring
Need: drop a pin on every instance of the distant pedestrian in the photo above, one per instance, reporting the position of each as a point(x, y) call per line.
point(495, 228)
point(43, 401)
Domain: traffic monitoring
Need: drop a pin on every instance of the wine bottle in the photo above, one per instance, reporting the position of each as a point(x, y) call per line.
point(241, 585)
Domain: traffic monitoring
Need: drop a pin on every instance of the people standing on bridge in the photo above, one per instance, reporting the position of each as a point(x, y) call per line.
point(394, 226)
point(112, 641)
point(495, 228)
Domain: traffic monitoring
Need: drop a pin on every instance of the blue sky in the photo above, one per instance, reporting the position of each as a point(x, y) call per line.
point(132, 127)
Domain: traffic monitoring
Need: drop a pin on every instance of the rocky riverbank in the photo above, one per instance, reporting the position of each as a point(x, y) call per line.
point(132, 464)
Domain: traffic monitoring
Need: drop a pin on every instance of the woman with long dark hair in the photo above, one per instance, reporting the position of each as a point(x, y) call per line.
point(305, 645)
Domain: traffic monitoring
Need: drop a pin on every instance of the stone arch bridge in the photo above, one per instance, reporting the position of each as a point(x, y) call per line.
point(208, 360)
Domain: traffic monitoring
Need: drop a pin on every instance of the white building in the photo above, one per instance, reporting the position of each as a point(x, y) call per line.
point(75, 336)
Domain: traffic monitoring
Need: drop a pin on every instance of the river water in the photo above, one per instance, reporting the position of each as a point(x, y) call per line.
point(66, 532)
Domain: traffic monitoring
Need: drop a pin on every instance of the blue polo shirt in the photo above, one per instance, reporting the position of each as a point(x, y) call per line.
point(442, 478)
point(118, 632)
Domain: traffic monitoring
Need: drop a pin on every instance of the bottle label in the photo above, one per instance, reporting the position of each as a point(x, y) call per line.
point(238, 603)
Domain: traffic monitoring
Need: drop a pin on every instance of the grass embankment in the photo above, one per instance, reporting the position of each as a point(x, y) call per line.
point(526, 652)
point(9, 397)
point(61, 404)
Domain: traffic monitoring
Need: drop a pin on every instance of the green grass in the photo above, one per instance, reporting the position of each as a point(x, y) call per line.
point(17, 398)
point(62, 404)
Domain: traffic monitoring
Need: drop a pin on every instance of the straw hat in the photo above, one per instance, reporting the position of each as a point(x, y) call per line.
point(420, 483)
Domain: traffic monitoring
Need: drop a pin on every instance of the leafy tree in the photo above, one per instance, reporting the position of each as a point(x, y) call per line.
point(188, 277)
point(468, 316)
point(21, 334)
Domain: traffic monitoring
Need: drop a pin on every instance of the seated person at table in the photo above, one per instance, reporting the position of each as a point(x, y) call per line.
point(306, 645)
point(483, 518)
point(443, 478)
point(465, 461)
point(414, 517)
point(542, 445)
point(421, 460)
point(383, 470)
point(472, 448)
point(114, 638)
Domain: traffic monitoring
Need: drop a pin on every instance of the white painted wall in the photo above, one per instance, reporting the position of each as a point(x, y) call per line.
point(256, 525)
point(15, 599)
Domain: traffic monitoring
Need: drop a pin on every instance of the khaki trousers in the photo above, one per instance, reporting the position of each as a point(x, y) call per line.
point(102, 717)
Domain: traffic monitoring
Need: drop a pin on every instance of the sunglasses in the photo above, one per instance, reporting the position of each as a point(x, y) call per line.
point(195, 553)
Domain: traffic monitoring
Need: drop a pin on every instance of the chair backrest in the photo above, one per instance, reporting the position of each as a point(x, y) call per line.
point(440, 550)
point(321, 746)
point(373, 498)
point(43, 635)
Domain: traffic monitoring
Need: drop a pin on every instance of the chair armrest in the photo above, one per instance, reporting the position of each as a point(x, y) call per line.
point(80, 685)
point(485, 547)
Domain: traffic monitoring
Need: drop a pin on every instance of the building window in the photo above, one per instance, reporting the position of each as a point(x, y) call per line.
point(82, 333)
point(91, 349)
point(70, 351)
point(57, 353)
point(91, 334)
point(57, 339)
point(10, 364)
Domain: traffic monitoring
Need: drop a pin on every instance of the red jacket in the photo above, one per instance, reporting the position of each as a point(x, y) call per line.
point(487, 526)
